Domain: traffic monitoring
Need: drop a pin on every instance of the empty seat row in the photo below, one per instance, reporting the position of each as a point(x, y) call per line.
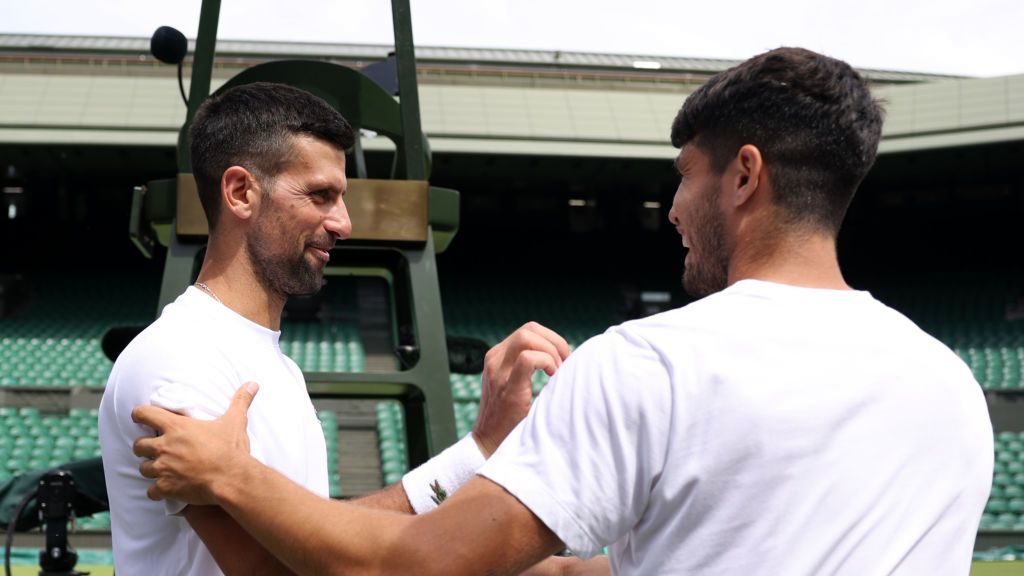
point(394, 457)
point(329, 424)
point(31, 440)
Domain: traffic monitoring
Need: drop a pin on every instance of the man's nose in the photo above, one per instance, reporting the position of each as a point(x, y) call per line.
point(338, 222)
point(672, 216)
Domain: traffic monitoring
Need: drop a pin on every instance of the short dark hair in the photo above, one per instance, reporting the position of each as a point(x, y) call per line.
point(251, 125)
point(812, 117)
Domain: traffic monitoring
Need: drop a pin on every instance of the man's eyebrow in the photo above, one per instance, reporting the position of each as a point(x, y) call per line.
point(323, 186)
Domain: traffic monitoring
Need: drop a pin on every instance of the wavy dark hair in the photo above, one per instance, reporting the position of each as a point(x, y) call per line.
point(812, 117)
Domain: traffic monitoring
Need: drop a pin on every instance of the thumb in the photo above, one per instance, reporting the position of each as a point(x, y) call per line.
point(241, 400)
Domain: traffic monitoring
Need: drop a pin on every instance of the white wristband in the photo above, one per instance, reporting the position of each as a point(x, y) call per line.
point(450, 469)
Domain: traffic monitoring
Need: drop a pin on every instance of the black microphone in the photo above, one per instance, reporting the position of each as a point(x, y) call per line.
point(168, 45)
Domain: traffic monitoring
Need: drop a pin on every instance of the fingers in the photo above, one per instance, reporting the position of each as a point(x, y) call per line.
point(241, 401)
point(148, 469)
point(551, 336)
point(526, 338)
point(528, 362)
point(156, 418)
point(146, 447)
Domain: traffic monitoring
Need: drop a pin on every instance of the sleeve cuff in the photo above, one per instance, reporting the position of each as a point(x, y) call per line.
point(533, 494)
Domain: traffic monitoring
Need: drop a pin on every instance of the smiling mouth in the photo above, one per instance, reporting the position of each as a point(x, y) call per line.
point(321, 253)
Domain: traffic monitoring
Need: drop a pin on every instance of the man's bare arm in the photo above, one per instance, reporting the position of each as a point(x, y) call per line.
point(234, 550)
point(480, 530)
point(391, 498)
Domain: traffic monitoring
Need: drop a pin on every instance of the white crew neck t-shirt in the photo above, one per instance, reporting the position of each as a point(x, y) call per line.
point(193, 359)
point(766, 429)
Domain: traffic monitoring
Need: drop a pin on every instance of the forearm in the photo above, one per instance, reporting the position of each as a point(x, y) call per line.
point(234, 550)
point(481, 530)
point(309, 534)
point(392, 498)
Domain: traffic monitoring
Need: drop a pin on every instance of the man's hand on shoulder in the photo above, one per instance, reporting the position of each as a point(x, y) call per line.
point(507, 381)
point(188, 457)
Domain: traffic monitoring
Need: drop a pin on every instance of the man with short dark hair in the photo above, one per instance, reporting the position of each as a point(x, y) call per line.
point(269, 164)
point(783, 424)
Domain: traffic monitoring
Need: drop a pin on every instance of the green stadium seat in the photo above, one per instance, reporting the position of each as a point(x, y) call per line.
point(996, 506)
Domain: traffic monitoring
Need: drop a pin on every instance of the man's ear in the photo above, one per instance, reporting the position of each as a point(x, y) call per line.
point(749, 172)
point(240, 192)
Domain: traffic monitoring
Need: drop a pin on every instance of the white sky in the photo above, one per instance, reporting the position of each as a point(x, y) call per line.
point(969, 37)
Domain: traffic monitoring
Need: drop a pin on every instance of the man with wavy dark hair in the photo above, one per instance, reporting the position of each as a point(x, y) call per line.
point(783, 424)
point(815, 127)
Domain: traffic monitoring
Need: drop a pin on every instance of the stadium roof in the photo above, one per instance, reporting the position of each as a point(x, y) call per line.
point(547, 58)
point(84, 90)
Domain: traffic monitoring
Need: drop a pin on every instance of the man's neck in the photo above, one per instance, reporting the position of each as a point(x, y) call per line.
point(806, 260)
point(234, 283)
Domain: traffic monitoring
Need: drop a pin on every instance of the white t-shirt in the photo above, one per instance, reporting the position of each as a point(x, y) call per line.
point(192, 359)
point(767, 429)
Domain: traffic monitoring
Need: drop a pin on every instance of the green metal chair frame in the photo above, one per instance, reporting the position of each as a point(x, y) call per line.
point(410, 267)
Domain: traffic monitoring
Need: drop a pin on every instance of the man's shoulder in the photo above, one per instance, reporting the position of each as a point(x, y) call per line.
point(640, 340)
point(674, 323)
point(165, 342)
point(176, 347)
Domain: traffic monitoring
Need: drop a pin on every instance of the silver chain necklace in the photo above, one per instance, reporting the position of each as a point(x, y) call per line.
point(202, 286)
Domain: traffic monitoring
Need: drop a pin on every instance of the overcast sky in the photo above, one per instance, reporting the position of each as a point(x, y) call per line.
point(969, 37)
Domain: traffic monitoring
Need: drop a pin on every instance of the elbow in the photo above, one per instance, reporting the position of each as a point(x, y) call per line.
point(402, 553)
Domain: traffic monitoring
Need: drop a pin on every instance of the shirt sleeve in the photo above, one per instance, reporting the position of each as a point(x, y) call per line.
point(594, 443)
point(185, 398)
point(169, 381)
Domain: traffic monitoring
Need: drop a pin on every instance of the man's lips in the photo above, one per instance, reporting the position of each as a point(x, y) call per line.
point(323, 253)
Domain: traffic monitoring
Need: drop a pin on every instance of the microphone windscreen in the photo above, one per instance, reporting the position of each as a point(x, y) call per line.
point(168, 45)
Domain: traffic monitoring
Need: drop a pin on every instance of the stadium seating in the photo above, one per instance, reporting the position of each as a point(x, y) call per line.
point(323, 347)
point(394, 459)
point(56, 341)
point(969, 315)
point(30, 440)
point(329, 423)
point(1005, 508)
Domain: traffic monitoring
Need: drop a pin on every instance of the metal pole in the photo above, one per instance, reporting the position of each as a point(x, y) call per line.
point(202, 71)
point(408, 92)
